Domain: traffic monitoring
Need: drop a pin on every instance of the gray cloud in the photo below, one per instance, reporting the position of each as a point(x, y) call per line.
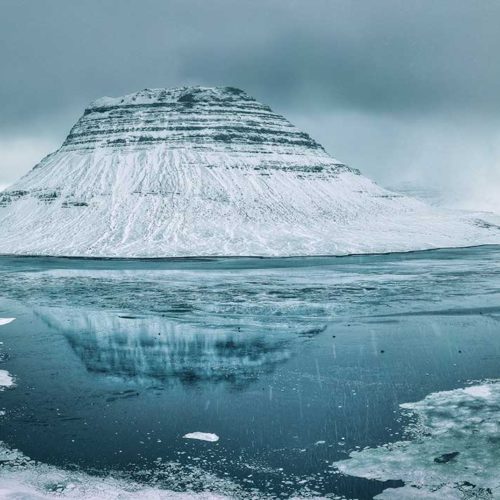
point(371, 80)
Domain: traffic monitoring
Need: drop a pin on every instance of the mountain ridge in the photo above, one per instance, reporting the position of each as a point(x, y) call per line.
point(204, 171)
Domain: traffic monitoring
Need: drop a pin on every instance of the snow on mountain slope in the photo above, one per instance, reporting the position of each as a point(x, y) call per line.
point(209, 171)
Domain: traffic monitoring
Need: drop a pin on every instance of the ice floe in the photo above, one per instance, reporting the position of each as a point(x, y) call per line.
point(23, 478)
point(6, 379)
point(452, 452)
point(202, 436)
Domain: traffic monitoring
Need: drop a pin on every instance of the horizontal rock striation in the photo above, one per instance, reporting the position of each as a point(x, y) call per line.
point(216, 120)
point(208, 119)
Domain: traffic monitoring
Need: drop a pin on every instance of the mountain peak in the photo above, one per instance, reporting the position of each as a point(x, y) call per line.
point(210, 118)
point(181, 95)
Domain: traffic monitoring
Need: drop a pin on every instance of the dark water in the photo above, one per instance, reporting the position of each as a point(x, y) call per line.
point(293, 363)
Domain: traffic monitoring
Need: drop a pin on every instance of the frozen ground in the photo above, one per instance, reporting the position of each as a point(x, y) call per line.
point(307, 370)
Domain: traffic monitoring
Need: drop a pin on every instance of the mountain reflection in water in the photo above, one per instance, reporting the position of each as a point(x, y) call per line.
point(302, 367)
point(151, 347)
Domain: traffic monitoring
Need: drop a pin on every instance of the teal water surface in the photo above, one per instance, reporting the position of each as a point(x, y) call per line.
point(293, 363)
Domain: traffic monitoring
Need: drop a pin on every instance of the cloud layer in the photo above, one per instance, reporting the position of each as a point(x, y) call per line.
point(402, 90)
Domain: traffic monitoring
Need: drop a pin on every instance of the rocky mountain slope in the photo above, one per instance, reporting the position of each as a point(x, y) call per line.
point(209, 171)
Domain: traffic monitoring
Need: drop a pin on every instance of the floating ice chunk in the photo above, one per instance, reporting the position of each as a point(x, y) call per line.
point(6, 379)
point(318, 443)
point(202, 436)
point(452, 451)
point(6, 321)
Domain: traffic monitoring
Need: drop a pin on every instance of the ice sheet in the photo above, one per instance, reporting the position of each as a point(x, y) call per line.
point(452, 450)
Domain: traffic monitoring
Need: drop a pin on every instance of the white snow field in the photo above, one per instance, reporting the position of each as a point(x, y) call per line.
point(198, 171)
point(452, 451)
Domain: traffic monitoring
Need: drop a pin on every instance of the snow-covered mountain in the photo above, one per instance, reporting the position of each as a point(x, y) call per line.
point(209, 171)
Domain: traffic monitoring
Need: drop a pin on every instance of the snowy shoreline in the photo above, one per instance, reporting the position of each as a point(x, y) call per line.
point(211, 257)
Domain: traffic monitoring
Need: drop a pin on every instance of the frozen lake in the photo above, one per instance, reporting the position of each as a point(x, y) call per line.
point(275, 369)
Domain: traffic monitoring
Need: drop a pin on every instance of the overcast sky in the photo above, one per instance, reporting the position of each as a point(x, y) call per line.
point(404, 90)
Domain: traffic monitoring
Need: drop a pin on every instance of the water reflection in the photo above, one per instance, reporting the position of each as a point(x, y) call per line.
point(152, 347)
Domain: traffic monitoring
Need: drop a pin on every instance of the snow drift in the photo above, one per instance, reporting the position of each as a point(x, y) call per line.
point(209, 171)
